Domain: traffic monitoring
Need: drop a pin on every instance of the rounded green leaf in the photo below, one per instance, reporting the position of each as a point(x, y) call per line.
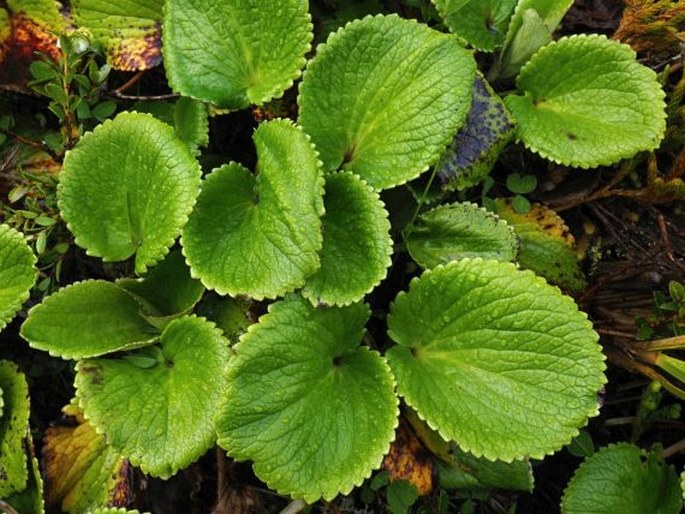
point(495, 359)
point(259, 236)
point(384, 96)
point(160, 417)
point(459, 230)
point(235, 52)
point(483, 23)
point(87, 319)
point(14, 427)
point(314, 411)
point(127, 188)
point(623, 478)
point(17, 272)
point(356, 243)
point(587, 102)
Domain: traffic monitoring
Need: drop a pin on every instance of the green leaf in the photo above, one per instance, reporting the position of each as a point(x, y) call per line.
point(30, 499)
point(495, 359)
point(384, 96)
point(521, 184)
point(464, 472)
point(161, 417)
point(127, 188)
point(191, 122)
point(168, 289)
point(234, 53)
point(17, 272)
point(477, 145)
point(483, 23)
point(401, 495)
point(274, 216)
point(546, 244)
point(531, 28)
point(104, 110)
point(623, 478)
point(87, 319)
point(582, 445)
point(459, 230)
point(314, 411)
point(356, 245)
point(14, 427)
point(81, 470)
point(128, 29)
point(587, 102)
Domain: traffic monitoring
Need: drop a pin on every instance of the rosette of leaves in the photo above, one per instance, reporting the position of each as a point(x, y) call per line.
point(356, 247)
point(383, 97)
point(17, 272)
point(235, 53)
point(483, 23)
point(623, 478)
point(313, 409)
point(129, 31)
point(260, 235)
point(456, 231)
point(127, 188)
point(585, 101)
point(495, 359)
point(138, 382)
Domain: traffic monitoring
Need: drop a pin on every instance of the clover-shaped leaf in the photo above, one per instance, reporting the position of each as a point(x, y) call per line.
point(475, 148)
point(234, 52)
point(623, 478)
point(127, 188)
point(483, 23)
point(456, 231)
point(129, 31)
point(87, 319)
point(81, 470)
point(384, 96)
point(14, 426)
point(156, 406)
point(495, 359)
point(587, 102)
point(314, 411)
point(17, 272)
point(274, 216)
point(547, 245)
point(356, 243)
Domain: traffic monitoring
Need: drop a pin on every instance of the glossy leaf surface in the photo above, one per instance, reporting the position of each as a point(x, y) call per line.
point(237, 52)
point(384, 96)
point(158, 415)
point(495, 359)
point(106, 192)
point(312, 409)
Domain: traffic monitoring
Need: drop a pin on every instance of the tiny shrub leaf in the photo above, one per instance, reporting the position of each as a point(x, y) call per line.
point(275, 216)
point(315, 411)
point(17, 272)
point(14, 426)
point(87, 319)
point(623, 478)
point(159, 417)
point(587, 102)
point(127, 188)
point(456, 231)
point(483, 23)
point(235, 52)
point(384, 96)
point(495, 359)
point(356, 243)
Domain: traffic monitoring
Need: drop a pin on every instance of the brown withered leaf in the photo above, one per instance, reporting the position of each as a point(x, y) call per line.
point(409, 460)
point(81, 471)
point(652, 26)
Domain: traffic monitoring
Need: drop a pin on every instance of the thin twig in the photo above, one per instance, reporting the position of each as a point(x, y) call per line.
point(142, 98)
point(673, 449)
point(7, 508)
point(130, 82)
point(294, 507)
